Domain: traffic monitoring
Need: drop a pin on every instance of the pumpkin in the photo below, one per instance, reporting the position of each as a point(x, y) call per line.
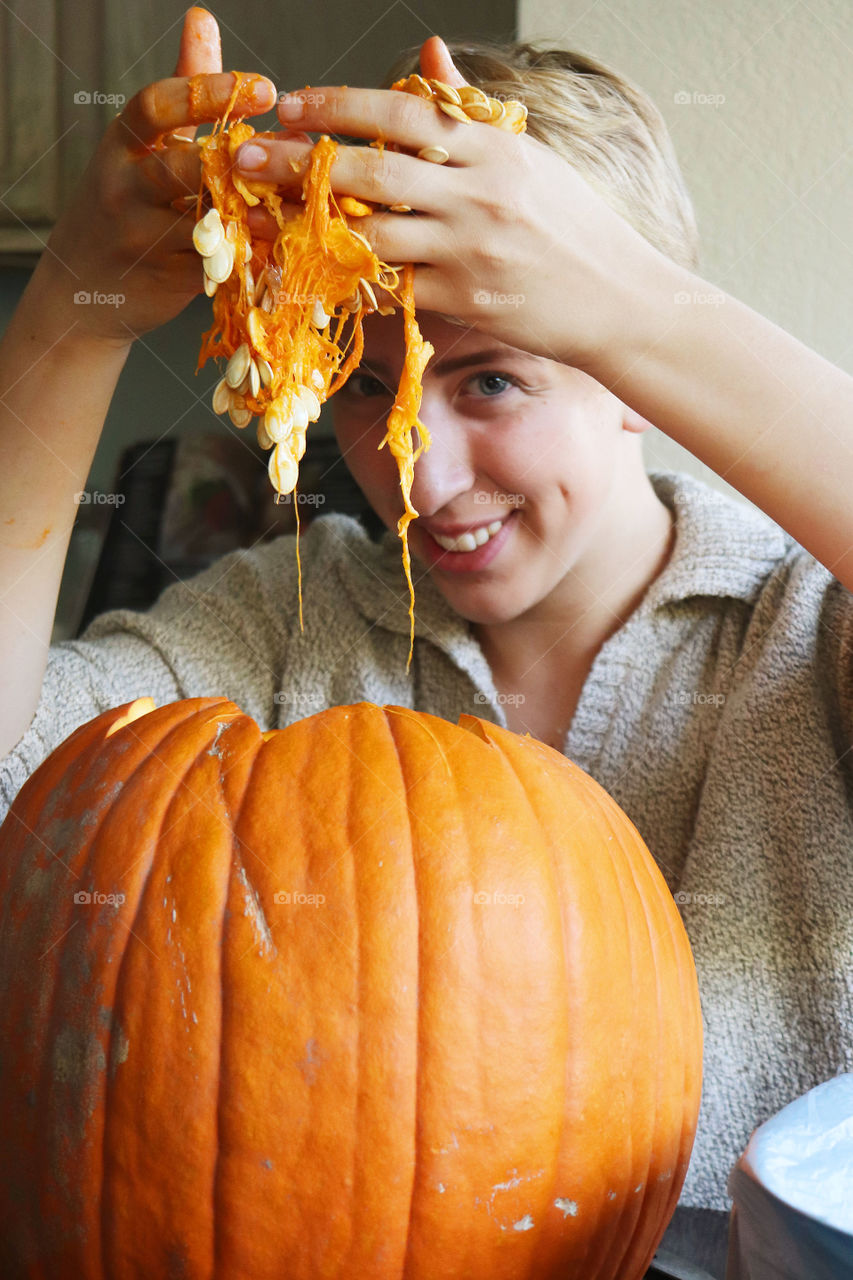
point(374, 996)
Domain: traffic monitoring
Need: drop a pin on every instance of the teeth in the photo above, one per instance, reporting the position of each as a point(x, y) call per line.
point(470, 541)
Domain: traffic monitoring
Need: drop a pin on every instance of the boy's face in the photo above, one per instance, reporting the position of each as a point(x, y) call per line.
point(529, 457)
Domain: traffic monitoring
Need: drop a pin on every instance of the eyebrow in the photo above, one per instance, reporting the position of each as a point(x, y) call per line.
point(490, 355)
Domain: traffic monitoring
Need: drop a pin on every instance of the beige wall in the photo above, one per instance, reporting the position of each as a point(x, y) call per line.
point(765, 142)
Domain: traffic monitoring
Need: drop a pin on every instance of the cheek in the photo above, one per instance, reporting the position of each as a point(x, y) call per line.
point(561, 474)
point(374, 469)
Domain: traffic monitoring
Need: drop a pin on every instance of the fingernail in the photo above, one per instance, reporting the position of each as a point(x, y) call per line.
point(250, 156)
point(290, 107)
point(263, 93)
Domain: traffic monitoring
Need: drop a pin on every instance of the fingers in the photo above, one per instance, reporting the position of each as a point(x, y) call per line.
point(200, 52)
point(171, 171)
point(383, 177)
point(168, 105)
point(437, 64)
point(409, 121)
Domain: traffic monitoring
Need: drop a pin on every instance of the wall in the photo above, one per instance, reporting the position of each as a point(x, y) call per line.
point(758, 99)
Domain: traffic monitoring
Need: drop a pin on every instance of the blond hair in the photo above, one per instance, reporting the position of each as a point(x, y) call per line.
point(608, 129)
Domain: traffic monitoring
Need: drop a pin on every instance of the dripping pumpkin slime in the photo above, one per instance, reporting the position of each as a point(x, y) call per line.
point(288, 313)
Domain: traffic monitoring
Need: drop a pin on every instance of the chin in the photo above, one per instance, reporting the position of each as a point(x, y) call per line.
point(483, 612)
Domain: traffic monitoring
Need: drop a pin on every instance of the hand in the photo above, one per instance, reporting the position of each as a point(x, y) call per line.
point(507, 238)
point(120, 235)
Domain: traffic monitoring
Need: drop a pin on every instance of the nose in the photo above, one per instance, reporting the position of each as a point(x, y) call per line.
point(445, 470)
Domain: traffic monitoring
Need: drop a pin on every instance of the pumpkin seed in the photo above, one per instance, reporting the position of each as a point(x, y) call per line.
point(208, 233)
point(480, 111)
point(278, 422)
point(445, 92)
point(221, 397)
point(368, 294)
point(283, 470)
point(318, 315)
point(238, 366)
point(239, 414)
point(436, 155)
point(310, 401)
point(220, 264)
point(455, 113)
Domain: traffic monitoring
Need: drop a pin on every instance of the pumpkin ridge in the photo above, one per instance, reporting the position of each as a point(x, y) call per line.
point(495, 742)
point(89, 762)
point(177, 785)
point(416, 1145)
point(614, 1259)
point(83, 753)
point(234, 814)
point(654, 893)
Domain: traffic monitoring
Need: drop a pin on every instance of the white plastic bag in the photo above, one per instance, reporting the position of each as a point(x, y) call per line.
point(793, 1192)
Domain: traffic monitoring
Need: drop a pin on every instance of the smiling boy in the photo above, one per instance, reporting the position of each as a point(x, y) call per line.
point(691, 654)
point(541, 467)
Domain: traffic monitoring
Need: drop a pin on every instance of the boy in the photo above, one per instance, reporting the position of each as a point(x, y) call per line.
point(693, 656)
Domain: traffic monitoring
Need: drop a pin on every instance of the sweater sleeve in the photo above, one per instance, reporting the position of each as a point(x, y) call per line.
point(222, 633)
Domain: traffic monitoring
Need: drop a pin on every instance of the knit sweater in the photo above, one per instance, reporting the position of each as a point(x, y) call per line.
point(719, 716)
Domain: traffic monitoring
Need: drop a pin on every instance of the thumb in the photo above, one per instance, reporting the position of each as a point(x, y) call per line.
point(200, 52)
point(437, 64)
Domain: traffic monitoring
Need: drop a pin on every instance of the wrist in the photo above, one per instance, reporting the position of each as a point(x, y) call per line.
point(56, 310)
point(646, 310)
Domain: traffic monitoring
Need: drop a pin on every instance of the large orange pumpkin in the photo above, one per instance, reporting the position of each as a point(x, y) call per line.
point(371, 997)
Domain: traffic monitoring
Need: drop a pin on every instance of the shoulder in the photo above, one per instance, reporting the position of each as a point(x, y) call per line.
point(793, 617)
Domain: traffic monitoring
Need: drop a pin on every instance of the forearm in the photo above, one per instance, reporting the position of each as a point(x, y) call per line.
point(765, 412)
point(56, 384)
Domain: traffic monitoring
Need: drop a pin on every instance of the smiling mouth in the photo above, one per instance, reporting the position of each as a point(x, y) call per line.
point(471, 540)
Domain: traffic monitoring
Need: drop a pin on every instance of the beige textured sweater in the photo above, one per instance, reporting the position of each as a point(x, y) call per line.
point(720, 717)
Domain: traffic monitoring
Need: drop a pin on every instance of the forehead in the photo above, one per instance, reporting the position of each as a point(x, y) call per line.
point(455, 345)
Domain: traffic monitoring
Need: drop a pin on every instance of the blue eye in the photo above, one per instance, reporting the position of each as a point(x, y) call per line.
point(483, 378)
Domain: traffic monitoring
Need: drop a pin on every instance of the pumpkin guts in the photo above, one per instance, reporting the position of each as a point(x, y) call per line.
point(287, 315)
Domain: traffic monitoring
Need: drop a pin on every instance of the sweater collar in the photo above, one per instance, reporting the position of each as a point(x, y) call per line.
point(722, 548)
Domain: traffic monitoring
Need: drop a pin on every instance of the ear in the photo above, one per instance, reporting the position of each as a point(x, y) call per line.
point(633, 421)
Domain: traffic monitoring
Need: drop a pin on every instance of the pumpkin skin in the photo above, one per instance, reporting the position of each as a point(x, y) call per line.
point(399, 1081)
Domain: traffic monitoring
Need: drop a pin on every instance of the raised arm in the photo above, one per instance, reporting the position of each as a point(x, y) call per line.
point(511, 239)
point(60, 358)
point(763, 410)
